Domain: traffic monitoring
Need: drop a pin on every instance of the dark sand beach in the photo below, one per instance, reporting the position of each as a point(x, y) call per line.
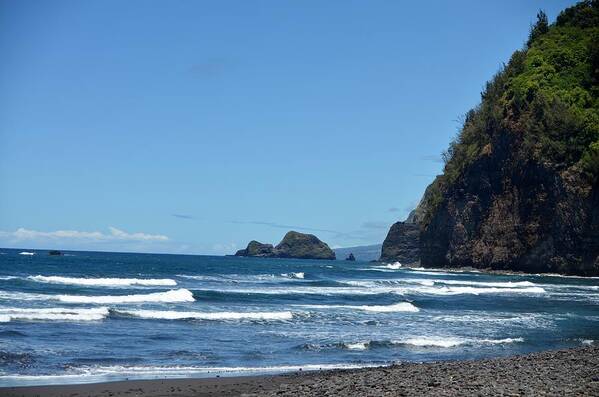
point(573, 372)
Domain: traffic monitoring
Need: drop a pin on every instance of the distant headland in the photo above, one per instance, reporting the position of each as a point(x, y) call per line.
point(294, 245)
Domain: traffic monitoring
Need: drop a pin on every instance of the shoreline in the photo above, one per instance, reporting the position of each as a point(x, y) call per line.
point(555, 372)
point(490, 271)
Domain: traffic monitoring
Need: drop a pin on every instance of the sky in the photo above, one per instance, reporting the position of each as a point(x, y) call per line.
point(197, 126)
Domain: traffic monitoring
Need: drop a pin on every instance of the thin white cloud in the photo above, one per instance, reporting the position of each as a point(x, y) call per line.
point(22, 234)
point(119, 234)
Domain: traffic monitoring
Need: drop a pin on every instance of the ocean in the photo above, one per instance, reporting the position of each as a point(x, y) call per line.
point(92, 316)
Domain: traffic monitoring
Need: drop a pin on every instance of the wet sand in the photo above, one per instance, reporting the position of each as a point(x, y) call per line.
point(573, 372)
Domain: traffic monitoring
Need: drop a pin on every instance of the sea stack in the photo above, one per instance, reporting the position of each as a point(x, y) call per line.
point(294, 245)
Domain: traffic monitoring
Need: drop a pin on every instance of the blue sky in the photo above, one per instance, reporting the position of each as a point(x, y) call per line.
point(196, 126)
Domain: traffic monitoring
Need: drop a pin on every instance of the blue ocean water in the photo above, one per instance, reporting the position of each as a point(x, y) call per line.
point(88, 317)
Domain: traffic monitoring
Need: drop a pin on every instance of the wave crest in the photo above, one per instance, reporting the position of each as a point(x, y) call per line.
point(53, 314)
point(298, 275)
point(176, 295)
point(103, 282)
point(451, 342)
point(175, 315)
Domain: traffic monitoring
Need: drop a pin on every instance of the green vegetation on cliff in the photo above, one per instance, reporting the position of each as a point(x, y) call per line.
point(547, 95)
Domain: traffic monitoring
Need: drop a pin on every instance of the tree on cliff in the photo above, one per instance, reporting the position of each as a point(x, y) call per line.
point(539, 28)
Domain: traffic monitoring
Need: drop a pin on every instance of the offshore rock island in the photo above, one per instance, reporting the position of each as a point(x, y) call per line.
point(294, 245)
point(520, 187)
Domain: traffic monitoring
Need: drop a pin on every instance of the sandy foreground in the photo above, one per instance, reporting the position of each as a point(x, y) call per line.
point(573, 372)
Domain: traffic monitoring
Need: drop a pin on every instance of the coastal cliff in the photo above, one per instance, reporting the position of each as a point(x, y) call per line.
point(402, 243)
point(520, 187)
point(294, 245)
point(403, 240)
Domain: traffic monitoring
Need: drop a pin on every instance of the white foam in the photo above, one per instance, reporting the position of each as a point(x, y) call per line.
point(501, 341)
point(564, 276)
point(356, 346)
point(53, 314)
point(393, 266)
point(103, 282)
point(302, 290)
point(397, 307)
point(426, 270)
point(375, 290)
point(298, 275)
point(437, 342)
point(178, 295)
point(432, 282)
point(507, 284)
point(25, 296)
point(245, 278)
point(587, 342)
point(8, 277)
point(27, 253)
point(101, 373)
point(160, 370)
point(438, 272)
point(175, 315)
point(470, 317)
point(446, 342)
point(478, 291)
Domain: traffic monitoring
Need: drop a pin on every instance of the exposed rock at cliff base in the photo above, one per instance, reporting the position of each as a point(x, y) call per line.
point(402, 243)
point(511, 213)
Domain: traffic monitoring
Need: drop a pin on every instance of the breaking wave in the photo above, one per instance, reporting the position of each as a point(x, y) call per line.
point(397, 307)
point(392, 266)
point(177, 295)
point(431, 342)
point(298, 275)
point(175, 315)
point(368, 288)
point(452, 342)
point(103, 282)
point(53, 314)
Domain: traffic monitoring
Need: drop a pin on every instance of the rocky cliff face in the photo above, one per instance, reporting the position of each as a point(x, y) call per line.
point(402, 243)
point(512, 213)
point(256, 248)
point(294, 245)
point(520, 188)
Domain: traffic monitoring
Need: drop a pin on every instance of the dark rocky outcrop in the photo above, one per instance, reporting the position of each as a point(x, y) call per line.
point(512, 213)
point(351, 257)
point(54, 253)
point(402, 243)
point(256, 248)
point(403, 240)
point(294, 245)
